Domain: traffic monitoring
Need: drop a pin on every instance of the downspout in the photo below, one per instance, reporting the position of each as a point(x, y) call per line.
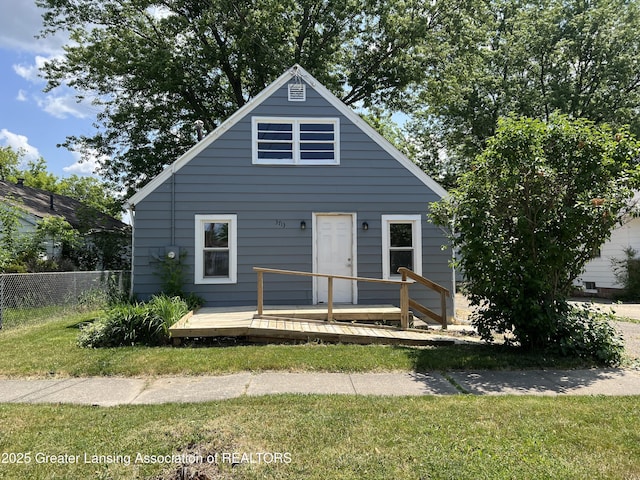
point(132, 216)
point(173, 207)
point(453, 268)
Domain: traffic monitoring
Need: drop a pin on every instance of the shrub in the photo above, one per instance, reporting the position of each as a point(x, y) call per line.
point(527, 217)
point(587, 333)
point(134, 323)
point(627, 273)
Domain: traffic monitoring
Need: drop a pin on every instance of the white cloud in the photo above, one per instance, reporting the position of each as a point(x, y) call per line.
point(160, 12)
point(87, 162)
point(59, 103)
point(20, 22)
point(19, 143)
point(31, 73)
point(22, 96)
point(65, 106)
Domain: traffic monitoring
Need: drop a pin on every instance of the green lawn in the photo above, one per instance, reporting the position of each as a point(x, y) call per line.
point(314, 437)
point(336, 437)
point(50, 349)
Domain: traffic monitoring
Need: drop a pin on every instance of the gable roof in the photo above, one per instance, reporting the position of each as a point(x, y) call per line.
point(38, 203)
point(295, 71)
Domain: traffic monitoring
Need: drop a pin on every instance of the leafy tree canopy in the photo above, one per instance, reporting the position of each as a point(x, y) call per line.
point(579, 58)
point(91, 191)
point(156, 66)
point(9, 161)
point(532, 210)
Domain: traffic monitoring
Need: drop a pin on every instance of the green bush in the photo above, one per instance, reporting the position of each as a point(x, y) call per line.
point(134, 323)
point(627, 273)
point(527, 217)
point(586, 332)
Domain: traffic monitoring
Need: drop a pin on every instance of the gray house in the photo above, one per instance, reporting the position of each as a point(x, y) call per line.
point(294, 180)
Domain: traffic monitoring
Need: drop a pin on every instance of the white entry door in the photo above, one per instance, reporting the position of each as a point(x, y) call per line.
point(335, 252)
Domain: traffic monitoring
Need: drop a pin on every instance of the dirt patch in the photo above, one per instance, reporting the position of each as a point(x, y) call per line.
point(203, 461)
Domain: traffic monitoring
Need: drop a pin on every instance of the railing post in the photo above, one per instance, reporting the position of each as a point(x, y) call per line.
point(260, 292)
point(404, 306)
point(330, 299)
point(443, 306)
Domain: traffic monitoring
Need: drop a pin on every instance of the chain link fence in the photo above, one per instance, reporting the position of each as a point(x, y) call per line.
point(36, 297)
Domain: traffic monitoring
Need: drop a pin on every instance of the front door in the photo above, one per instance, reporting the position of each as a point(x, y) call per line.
point(334, 247)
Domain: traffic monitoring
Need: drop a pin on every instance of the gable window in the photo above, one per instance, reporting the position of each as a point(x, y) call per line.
point(401, 244)
point(216, 249)
point(296, 141)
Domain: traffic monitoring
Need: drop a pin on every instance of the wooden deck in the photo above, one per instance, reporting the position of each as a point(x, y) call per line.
point(303, 324)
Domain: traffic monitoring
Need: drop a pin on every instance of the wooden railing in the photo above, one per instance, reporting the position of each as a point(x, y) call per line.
point(405, 301)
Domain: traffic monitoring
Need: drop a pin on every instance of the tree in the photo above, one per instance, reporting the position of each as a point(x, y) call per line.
point(91, 191)
point(10, 237)
point(156, 66)
point(9, 161)
point(579, 58)
point(532, 210)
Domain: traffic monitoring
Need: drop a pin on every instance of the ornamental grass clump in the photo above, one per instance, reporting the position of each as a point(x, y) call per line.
point(134, 323)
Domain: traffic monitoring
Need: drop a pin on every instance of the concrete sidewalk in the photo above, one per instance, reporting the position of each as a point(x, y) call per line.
point(110, 391)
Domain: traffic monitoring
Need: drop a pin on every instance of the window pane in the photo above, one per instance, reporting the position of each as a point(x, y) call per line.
point(316, 155)
point(216, 235)
point(216, 264)
point(275, 127)
point(317, 141)
point(317, 136)
point(283, 147)
point(316, 127)
point(284, 136)
point(400, 234)
point(275, 141)
point(316, 146)
point(275, 155)
point(400, 258)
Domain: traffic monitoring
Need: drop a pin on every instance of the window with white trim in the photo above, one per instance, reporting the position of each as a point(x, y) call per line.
point(216, 249)
point(401, 244)
point(296, 141)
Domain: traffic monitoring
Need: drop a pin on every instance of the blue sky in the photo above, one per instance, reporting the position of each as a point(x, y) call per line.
point(30, 119)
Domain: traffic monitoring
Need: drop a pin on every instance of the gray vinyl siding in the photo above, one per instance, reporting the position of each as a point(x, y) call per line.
point(271, 201)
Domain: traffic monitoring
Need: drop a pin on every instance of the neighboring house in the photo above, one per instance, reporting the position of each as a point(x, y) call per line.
point(293, 180)
point(598, 277)
point(34, 205)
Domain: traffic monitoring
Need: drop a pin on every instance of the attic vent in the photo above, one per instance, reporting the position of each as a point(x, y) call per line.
point(297, 92)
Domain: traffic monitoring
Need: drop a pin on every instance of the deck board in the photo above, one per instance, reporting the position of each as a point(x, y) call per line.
point(290, 323)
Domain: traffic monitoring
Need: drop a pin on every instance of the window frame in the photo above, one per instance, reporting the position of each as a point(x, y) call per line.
point(296, 140)
point(200, 222)
point(416, 247)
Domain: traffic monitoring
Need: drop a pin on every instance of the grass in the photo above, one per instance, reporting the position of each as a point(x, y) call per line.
point(337, 437)
point(341, 437)
point(50, 349)
point(628, 319)
point(19, 317)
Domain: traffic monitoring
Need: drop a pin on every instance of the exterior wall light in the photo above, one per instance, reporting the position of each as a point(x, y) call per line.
point(365, 226)
point(303, 225)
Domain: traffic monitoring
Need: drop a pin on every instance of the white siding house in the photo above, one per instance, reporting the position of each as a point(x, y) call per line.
point(598, 277)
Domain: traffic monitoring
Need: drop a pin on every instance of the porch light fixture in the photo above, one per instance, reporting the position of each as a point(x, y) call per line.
point(303, 225)
point(365, 226)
